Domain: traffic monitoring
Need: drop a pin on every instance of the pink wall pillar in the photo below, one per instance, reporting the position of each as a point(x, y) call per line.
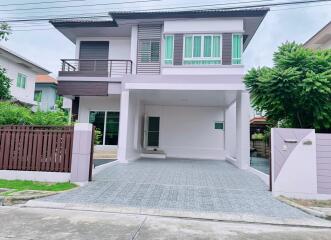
point(81, 153)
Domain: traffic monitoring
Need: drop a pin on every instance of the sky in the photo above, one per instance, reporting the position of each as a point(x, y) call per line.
point(44, 45)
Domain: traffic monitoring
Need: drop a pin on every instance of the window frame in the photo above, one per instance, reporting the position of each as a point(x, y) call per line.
point(104, 132)
point(202, 49)
point(21, 80)
point(241, 49)
point(149, 56)
point(173, 49)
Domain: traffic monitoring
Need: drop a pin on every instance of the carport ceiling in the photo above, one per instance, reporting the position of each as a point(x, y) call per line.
point(186, 98)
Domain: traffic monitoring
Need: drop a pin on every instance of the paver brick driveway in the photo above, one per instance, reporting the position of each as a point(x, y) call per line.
point(183, 185)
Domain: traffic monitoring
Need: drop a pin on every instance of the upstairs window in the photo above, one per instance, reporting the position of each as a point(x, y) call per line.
point(21, 80)
point(168, 49)
point(237, 48)
point(202, 49)
point(149, 51)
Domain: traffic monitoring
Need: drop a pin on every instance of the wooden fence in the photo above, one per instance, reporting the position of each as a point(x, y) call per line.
point(36, 148)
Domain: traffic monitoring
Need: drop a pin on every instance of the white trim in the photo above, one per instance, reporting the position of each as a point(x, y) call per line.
point(35, 176)
point(168, 86)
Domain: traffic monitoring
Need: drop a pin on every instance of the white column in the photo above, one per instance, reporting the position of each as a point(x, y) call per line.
point(242, 134)
point(230, 129)
point(134, 46)
point(123, 128)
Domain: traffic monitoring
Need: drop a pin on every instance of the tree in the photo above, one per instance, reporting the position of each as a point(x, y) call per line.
point(4, 80)
point(5, 83)
point(296, 92)
point(4, 31)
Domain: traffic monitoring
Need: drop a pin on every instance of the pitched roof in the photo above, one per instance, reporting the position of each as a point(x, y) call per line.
point(322, 36)
point(45, 79)
point(249, 12)
point(13, 56)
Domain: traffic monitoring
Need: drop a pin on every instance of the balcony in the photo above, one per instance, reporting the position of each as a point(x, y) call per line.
point(95, 68)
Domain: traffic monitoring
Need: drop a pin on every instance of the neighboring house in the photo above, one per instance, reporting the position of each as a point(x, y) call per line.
point(321, 40)
point(45, 93)
point(163, 83)
point(23, 73)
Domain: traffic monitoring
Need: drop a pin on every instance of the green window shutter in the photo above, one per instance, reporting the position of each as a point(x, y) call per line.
point(18, 80)
point(188, 47)
point(207, 46)
point(216, 46)
point(197, 46)
point(236, 48)
point(169, 49)
point(23, 81)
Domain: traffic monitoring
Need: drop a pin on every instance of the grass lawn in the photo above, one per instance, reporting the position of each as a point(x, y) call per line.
point(20, 185)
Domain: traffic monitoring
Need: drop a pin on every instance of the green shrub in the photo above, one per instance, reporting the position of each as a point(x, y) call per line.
point(53, 118)
point(13, 114)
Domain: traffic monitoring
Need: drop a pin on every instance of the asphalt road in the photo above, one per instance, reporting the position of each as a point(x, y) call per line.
point(33, 223)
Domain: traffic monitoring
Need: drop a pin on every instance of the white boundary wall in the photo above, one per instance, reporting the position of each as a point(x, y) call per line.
point(294, 164)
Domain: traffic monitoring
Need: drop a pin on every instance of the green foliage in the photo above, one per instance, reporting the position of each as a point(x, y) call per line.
point(30, 185)
point(59, 102)
point(97, 137)
point(5, 30)
point(49, 118)
point(14, 114)
point(296, 92)
point(258, 136)
point(4, 85)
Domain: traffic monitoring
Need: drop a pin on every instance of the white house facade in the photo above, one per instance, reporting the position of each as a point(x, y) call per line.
point(22, 73)
point(163, 84)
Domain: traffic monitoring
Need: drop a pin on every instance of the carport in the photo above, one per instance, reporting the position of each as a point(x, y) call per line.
point(197, 117)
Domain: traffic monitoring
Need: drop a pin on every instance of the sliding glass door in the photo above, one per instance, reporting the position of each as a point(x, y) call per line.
point(108, 124)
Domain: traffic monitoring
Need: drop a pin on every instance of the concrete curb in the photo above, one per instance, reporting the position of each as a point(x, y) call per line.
point(212, 216)
point(310, 211)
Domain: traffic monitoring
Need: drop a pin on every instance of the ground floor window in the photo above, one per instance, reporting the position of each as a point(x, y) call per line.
point(107, 123)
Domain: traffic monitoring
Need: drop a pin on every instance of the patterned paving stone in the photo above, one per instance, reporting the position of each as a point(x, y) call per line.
point(183, 185)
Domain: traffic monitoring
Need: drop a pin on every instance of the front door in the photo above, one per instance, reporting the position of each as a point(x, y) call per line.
point(153, 132)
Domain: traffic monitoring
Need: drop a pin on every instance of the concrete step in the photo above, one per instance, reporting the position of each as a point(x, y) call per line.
point(103, 154)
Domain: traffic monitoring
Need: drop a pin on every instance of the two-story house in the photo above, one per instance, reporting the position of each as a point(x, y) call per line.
point(22, 73)
point(163, 84)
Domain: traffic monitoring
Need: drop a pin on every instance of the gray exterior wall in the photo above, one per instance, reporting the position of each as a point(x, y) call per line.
point(85, 88)
point(148, 32)
point(323, 155)
point(178, 49)
point(227, 48)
